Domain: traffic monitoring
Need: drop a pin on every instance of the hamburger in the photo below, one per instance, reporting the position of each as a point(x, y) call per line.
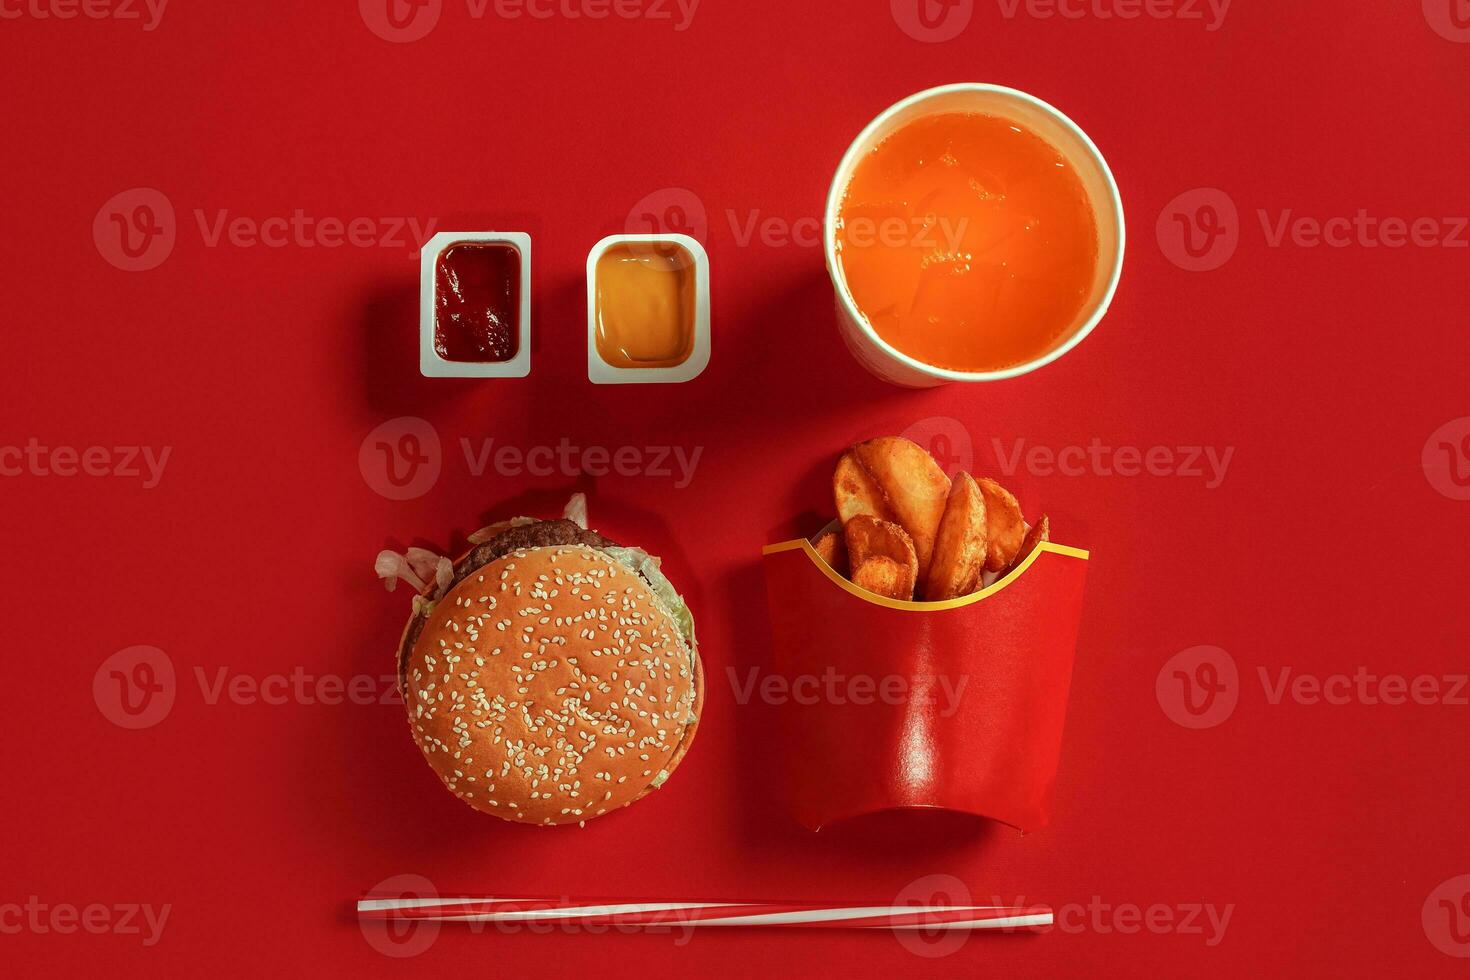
point(551, 675)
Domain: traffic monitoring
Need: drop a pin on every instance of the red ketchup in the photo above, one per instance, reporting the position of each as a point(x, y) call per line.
point(477, 302)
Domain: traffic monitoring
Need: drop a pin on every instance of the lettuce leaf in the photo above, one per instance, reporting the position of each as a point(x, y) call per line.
point(650, 568)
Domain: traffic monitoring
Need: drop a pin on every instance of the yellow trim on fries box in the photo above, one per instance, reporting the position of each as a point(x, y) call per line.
point(802, 544)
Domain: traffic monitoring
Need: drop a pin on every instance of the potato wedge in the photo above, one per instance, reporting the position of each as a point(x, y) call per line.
point(912, 484)
point(856, 493)
point(832, 546)
point(885, 577)
point(869, 538)
point(960, 545)
point(1040, 531)
point(1004, 525)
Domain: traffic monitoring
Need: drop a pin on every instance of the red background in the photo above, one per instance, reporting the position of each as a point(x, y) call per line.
point(1325, 549)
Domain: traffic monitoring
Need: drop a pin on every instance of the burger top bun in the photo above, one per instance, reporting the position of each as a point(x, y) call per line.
point(551, 687)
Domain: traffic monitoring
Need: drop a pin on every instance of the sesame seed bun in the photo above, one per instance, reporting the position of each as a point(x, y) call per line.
point(552, 686)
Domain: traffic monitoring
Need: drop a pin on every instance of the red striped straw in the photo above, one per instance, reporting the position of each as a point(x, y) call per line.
point(757, 914)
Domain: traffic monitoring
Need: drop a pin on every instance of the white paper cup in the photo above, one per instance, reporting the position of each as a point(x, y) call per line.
point(894, 366)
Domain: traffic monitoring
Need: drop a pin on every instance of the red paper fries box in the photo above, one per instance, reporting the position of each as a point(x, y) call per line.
point(957, 705)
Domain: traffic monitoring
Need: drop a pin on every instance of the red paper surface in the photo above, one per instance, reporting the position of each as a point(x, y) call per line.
point(959, 706)
point(1334, 831)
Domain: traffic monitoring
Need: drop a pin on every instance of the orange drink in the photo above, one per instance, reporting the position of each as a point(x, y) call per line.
point(968, 242)
point(972, 233)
